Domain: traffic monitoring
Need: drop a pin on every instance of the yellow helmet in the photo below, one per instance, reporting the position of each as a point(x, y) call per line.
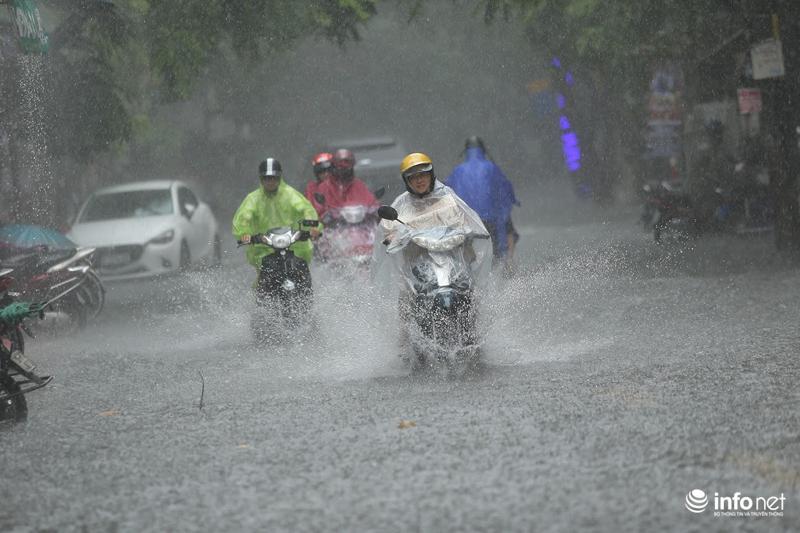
point(413, 160)
point(414, 164)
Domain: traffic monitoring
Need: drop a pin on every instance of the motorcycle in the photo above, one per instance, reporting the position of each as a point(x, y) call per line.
point(669, 209)
point(349, 236)
point(17, 372)
point(750, 200)
point(40, 270)
point(438, 307)
point(283, 290)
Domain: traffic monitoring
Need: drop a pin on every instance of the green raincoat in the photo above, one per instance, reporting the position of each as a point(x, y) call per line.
point(260, 212)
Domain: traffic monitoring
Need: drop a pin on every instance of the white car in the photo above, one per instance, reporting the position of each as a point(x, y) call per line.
point(147, 228)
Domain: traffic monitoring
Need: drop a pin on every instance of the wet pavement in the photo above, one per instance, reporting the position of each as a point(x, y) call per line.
point(618, 376)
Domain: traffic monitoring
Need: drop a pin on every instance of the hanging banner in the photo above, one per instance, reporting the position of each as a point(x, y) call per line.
point(767, 58)
point(663, 135)
point(28, 23)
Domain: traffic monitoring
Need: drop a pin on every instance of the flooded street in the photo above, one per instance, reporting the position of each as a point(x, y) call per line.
point(610, 388)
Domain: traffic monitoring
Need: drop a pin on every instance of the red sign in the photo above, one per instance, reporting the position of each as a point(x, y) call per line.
point(749, 101)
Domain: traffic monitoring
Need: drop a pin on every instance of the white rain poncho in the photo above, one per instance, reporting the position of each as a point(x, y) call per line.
point(436, 224)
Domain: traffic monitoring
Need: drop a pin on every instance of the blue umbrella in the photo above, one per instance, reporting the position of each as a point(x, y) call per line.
point(29, 236)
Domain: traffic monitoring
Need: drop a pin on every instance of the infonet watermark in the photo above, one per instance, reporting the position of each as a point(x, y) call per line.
point(697, 501)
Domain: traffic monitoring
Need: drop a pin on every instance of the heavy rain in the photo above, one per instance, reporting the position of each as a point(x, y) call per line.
point(579, 314)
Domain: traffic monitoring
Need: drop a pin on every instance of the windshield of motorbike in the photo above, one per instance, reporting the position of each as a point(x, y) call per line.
point(128, 204)
point(436, 239)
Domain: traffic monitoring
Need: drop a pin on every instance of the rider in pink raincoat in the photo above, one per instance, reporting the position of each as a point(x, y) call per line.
point(343, 188)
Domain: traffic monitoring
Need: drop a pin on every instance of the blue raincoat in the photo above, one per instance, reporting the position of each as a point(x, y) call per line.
point(483, 186)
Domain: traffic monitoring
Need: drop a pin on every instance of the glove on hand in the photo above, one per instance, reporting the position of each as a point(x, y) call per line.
point(16, 312)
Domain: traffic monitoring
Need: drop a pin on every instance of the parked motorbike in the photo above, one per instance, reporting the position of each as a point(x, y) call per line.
point(669, 209)
point(439, 266)
point(18, 375)
point(39, 271)
point(749, 200)
point(283, 290)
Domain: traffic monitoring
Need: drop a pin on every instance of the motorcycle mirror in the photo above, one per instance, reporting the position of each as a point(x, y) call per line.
point(387, 213)
point(319, 197)
point(380, 192)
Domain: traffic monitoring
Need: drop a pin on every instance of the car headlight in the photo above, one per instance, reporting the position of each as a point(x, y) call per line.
point(163, 238)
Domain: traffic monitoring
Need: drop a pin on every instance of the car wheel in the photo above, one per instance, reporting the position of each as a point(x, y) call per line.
point(185, 259)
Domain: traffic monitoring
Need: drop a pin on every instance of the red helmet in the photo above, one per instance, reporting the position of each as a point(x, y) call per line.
point(343, 163)
point(344, 158)
point(322, 162)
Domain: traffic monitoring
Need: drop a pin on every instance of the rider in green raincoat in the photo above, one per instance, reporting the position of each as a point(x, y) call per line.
point(273, 205)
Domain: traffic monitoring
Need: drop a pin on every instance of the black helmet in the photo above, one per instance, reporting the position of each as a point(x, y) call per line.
point(475, 142)
point(270, 167)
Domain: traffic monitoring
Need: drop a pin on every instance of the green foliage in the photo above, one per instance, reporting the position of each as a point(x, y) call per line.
point(115, 59)
point(182, 36)
point(185, 34)
point(614, 34)
point(91, 73)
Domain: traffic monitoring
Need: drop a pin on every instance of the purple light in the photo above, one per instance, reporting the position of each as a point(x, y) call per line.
point(564, 122)
point(556, 62)
point(569, 79)
point(572, 151)
point(561, 101)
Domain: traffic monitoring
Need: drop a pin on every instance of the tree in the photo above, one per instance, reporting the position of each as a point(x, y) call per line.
point(110, 62)
point(113, 56)
point(621, 42)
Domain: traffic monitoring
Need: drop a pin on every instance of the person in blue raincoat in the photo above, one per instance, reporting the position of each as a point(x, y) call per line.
point(483, 186)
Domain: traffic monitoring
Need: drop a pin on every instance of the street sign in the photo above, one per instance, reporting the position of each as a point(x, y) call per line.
point(28, 23)
point(749, 101)
point(767, 57)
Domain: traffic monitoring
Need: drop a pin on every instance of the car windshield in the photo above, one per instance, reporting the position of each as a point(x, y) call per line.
point(128, 204)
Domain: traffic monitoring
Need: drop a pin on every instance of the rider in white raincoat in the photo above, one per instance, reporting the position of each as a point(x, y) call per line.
point(431, 217)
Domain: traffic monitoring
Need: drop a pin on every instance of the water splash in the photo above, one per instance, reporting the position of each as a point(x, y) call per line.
point(35, 198)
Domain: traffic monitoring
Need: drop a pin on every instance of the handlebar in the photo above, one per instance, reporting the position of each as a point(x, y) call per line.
point(256, 238)
point(260, 238)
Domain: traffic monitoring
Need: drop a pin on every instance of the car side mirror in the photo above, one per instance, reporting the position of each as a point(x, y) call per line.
point(380, 192)
point(188, 210)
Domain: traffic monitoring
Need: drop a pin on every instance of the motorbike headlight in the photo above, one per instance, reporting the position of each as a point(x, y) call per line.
point(163, 238)
point(281, 241)
point(353, 214)
point(439, 245)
